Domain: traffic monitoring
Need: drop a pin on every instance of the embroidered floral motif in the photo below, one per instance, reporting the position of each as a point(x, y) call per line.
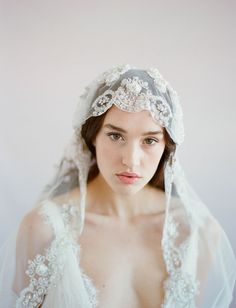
point(103, 103)
point(133, 95)
point(160, 82)
point(180, 287)
point(114, 73)
point(68, 212)
point(43, 272)
point(169, 97)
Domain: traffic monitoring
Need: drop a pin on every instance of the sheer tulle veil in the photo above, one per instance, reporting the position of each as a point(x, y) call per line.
point(199, 259)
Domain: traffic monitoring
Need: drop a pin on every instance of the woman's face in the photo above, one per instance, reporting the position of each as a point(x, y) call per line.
point(128, 147)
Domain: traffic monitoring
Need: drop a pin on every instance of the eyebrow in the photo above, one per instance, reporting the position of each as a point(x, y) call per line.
point(123, 131)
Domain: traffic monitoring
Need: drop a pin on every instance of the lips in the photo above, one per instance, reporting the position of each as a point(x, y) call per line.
point(129, 174)
point(128, 177)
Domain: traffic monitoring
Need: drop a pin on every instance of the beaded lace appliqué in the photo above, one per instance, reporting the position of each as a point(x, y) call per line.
point(114, 73)
point(181, 287)
point(43, 273)
point(133, 95)
point(160, 104)
point(68, 211)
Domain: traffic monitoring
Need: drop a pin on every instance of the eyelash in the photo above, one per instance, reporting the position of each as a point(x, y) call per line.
point(111, 135)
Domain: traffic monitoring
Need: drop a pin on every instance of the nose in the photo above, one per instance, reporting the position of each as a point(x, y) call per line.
point(131, 155)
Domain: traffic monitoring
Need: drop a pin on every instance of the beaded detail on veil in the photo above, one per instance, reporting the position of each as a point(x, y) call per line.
point(133, 95)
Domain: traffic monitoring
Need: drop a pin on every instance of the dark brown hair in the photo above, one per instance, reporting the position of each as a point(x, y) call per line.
point(89, 132)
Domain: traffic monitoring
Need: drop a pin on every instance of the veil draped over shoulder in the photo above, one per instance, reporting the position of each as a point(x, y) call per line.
point(39, 262)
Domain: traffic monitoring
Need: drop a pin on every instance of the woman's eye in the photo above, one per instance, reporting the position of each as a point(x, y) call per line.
point(151, 141)
point(114, 136)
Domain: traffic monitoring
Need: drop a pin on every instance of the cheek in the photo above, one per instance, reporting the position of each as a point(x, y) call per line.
point(105, 153)
point(154, 159)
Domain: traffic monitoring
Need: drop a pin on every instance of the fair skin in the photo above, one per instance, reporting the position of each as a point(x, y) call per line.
point(121, 241)
point(127, 142)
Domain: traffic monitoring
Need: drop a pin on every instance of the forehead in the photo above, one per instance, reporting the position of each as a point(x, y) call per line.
point(141, 119)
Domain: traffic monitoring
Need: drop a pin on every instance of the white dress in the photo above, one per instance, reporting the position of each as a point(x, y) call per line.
point(47, 270)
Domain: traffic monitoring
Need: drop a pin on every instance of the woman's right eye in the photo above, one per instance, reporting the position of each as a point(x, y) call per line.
point(114, 136)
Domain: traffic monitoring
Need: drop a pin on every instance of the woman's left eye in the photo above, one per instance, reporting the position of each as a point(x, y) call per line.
point(151, 141)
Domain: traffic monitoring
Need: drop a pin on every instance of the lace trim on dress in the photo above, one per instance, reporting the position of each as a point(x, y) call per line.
point(91, 290)
point(68, 212)
point(43, 272)
point(180, 287)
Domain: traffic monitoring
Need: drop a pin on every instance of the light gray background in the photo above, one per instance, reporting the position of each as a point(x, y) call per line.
point(51, 49)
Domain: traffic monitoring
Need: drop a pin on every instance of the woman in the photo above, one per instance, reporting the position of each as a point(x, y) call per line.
point(119, 226)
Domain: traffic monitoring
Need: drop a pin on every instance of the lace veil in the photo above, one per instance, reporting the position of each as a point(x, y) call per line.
point(199, 259)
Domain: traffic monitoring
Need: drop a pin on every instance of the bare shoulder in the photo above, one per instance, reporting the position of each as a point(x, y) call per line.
point(33, 232)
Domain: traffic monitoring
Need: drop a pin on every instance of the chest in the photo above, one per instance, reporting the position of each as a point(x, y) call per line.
point(125, 262)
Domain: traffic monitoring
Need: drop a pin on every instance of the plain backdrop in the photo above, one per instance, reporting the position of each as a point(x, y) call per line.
point(50, 50)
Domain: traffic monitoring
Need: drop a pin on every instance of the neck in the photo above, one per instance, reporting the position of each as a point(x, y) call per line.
point(102, 200)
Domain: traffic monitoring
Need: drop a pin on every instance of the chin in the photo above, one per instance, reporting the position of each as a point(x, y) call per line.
point(126, 189)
